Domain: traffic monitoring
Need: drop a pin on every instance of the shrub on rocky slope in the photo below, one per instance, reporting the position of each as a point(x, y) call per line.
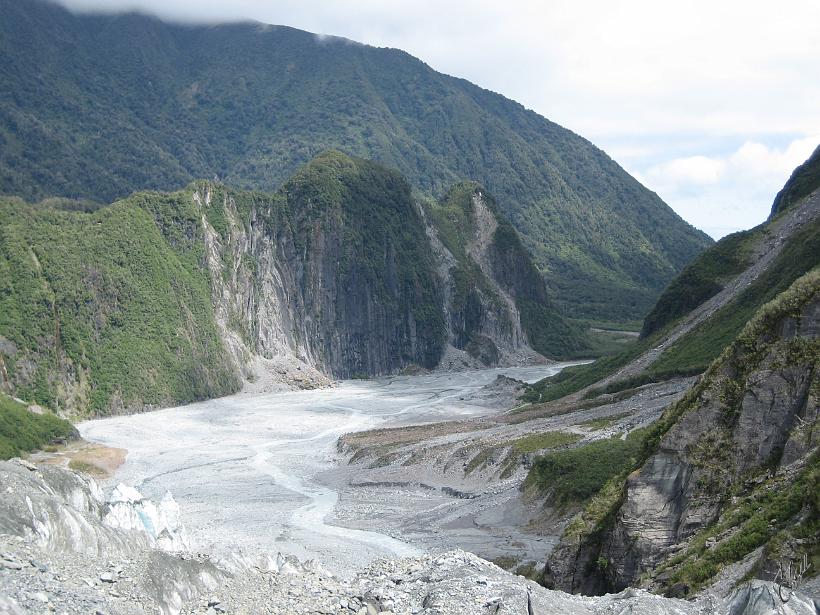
point(729, 469)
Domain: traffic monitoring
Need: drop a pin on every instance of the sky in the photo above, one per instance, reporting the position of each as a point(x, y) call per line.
point(710, 103)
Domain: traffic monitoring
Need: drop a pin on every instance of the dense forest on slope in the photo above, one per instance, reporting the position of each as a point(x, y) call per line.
point(165, 298)
point(100, 312)
point(97, 107)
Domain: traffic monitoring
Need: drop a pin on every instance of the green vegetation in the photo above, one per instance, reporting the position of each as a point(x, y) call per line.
point(803, 181)
point(137, 104)
point(575, 378)
point(515, 448)
point(22, 431)
point(103, 297)
point(85, 467)
point(480, 459)
point(604, 421)
point(633, 382)
point(697, 349)
point(512, 270)
point(574, 475)
point(541, 441)
point(702, 279)
point(693, 352)
point(765, 515)
point(383, 252)
point(604, 343)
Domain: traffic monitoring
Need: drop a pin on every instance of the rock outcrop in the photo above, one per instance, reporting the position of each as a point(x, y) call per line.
point(497, 311)
point(728, 469)
point(119, 573)
point(163, 299)
point(334, 272)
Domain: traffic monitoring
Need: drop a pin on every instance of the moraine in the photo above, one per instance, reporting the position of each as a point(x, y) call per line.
point(243, 468)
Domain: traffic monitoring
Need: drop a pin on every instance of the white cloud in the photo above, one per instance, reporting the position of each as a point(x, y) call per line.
point(725, 194)
point(694, 170)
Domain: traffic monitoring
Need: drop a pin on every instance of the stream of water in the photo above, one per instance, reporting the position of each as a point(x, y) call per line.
point(242, 467)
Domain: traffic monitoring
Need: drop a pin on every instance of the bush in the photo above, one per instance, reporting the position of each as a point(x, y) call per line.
point(575, 475)
point(22, 431)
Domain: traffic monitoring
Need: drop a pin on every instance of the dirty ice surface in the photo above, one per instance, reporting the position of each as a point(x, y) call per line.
point(242, 467)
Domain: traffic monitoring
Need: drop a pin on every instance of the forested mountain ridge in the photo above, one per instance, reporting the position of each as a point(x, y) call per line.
point(165, 298)
point(98, 107)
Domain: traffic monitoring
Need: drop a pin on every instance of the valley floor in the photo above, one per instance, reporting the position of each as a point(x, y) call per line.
point(246, 469)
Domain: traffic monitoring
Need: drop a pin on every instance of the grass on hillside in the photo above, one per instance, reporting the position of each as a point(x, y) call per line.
point(693, 352)
point(702, 279)
point(541, 441)
point(575, 378)
point(604, 421)
point(22, 431)
point(697, 349)
point(604, 343)
point(574, 475)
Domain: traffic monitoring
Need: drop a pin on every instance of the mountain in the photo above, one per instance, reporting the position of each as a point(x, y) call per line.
point(708, 304)
point(97, 107)
point(803, 181)
point(722, 486)
point(728, 477)
point(166, 298)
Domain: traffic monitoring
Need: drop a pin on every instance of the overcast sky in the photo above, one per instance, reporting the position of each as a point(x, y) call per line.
point(711, 103)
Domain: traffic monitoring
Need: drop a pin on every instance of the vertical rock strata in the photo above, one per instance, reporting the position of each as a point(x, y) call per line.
point(745, 432)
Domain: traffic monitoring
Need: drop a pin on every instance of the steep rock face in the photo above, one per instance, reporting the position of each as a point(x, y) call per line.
point(496, 303)
point(334, 272)
point(169, 298)
point(751, 418)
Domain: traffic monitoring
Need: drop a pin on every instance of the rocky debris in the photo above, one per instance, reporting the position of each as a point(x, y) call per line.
point(765, 598)
point(730, 434)
point(398, 479)
point(502, 394)
point(484, 324)
point(71, 580)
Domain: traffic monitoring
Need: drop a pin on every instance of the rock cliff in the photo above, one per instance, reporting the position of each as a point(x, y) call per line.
point(729, 476)
point(169, 298)
point(497, 310)
point(57, 554)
